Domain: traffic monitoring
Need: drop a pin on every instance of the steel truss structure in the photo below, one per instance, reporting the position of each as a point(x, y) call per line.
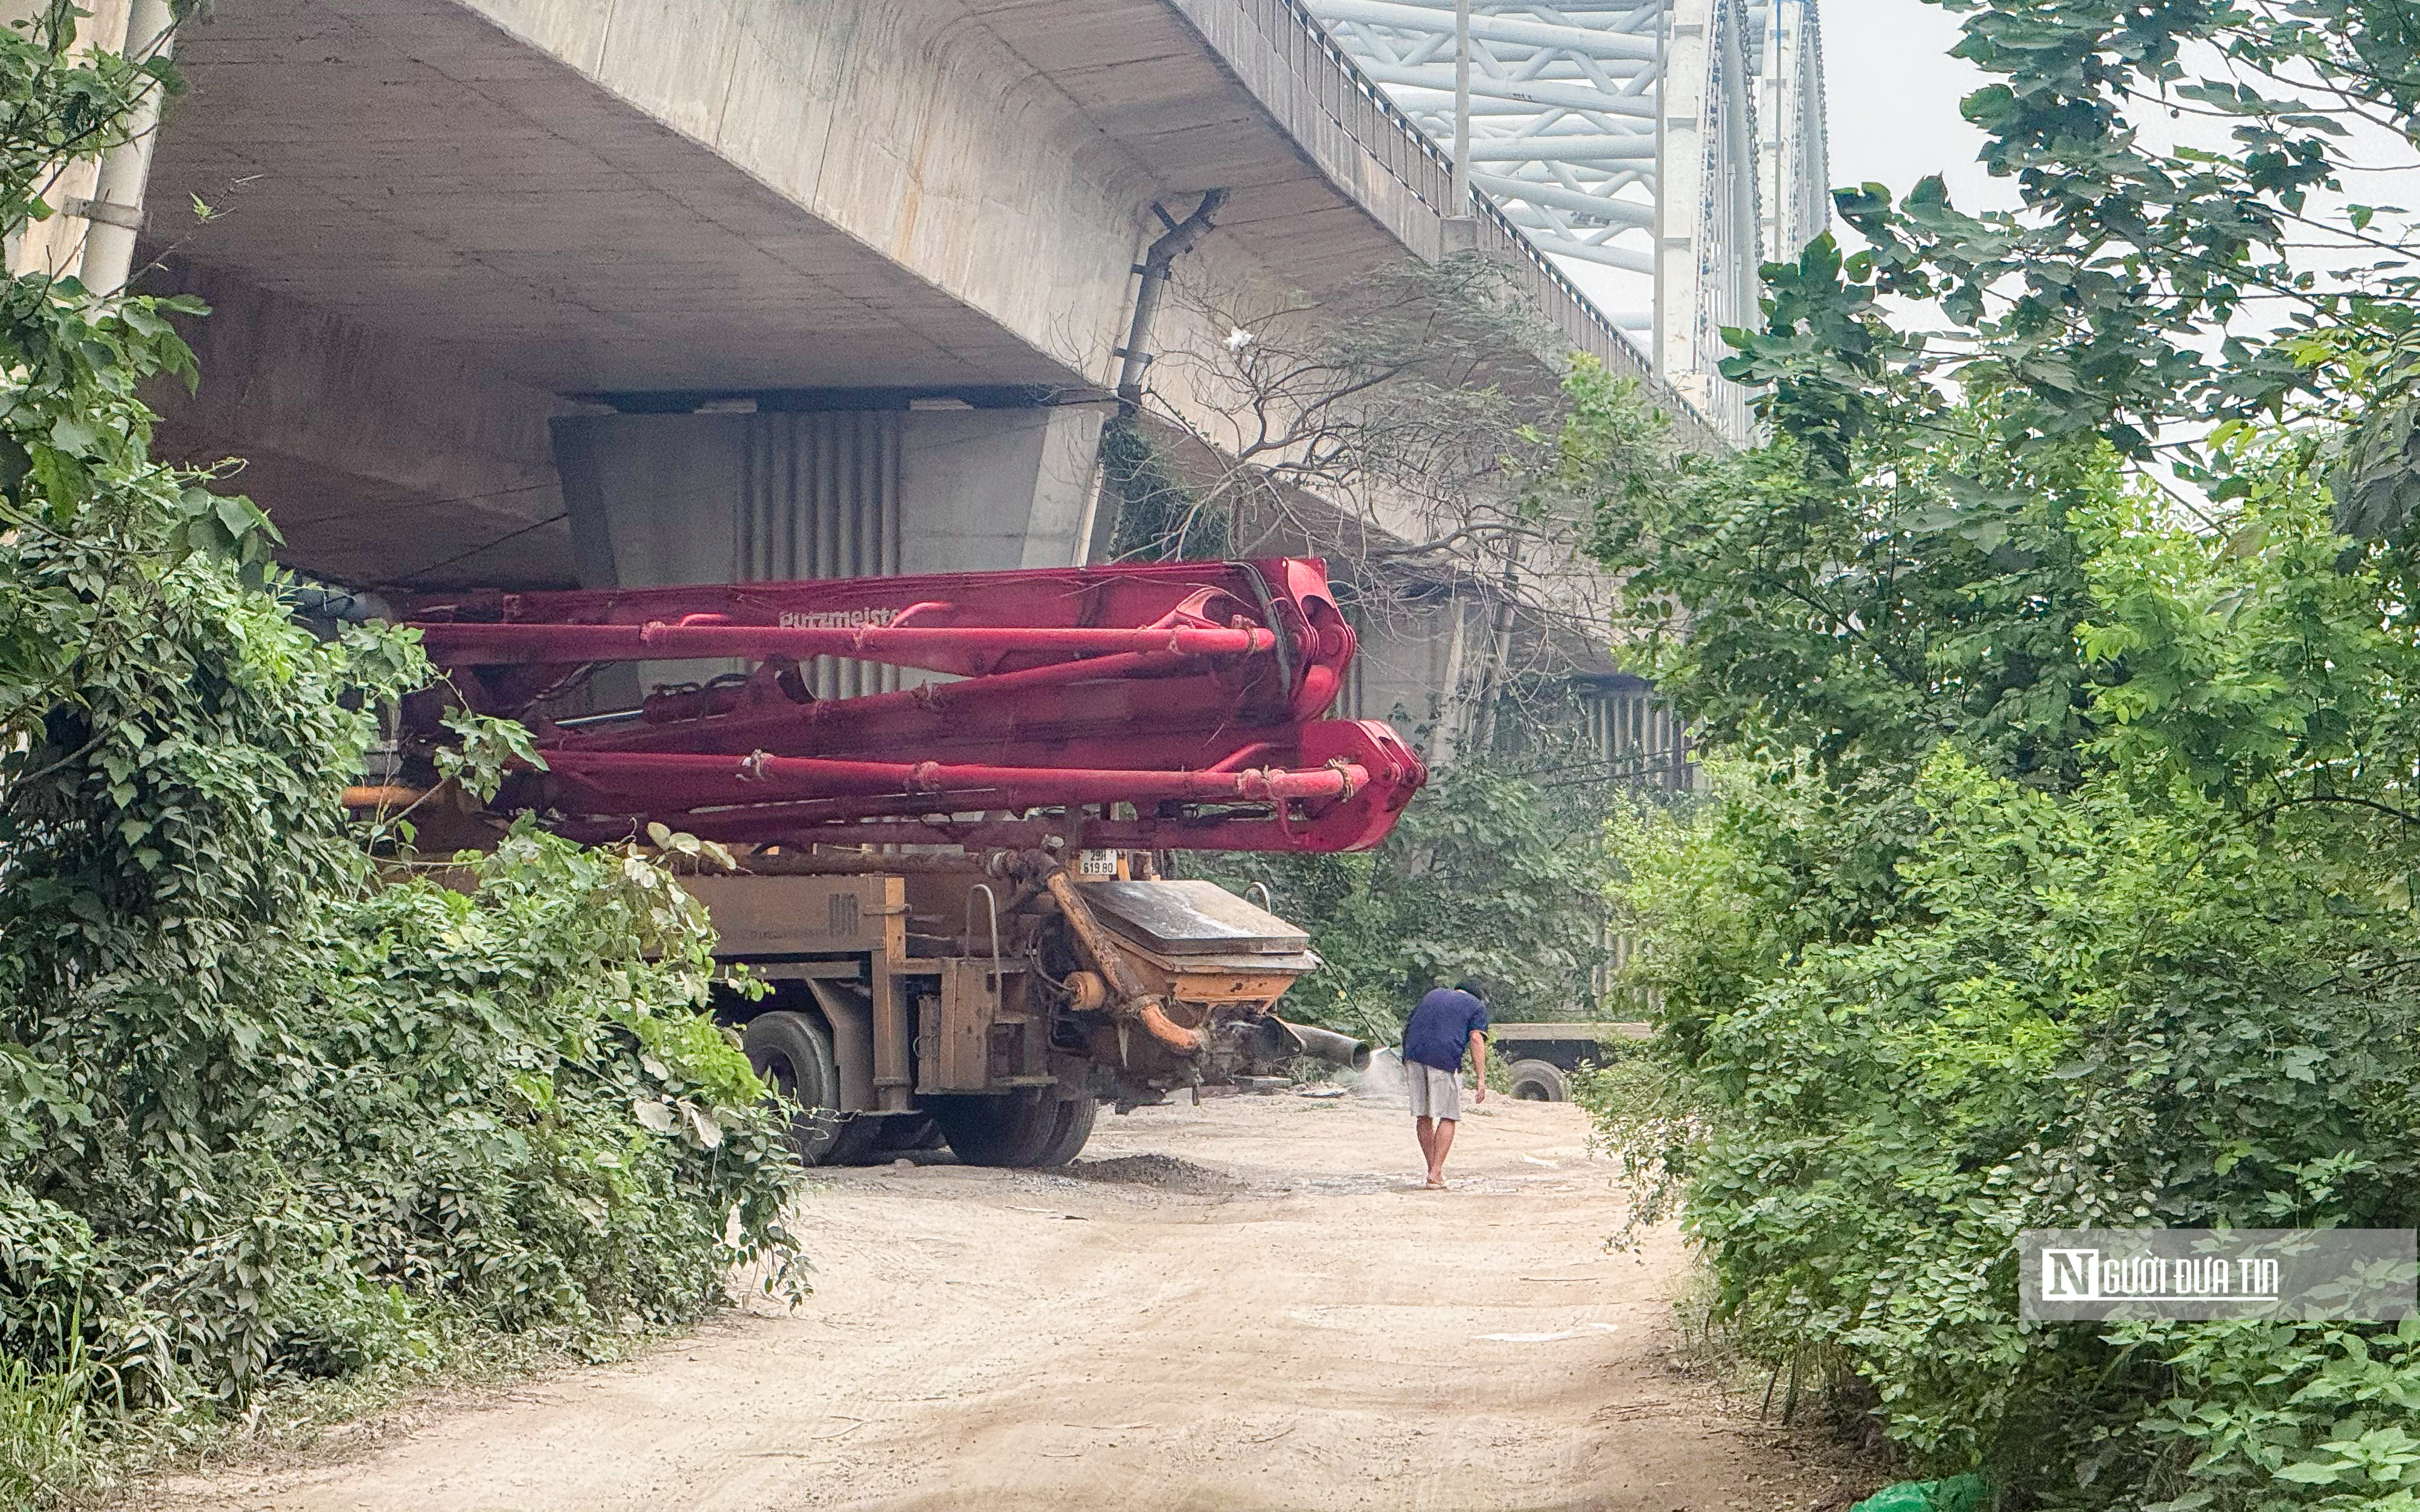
point(1678, 139)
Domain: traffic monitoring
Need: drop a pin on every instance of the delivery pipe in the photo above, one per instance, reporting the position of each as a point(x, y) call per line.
point(1102, 954)
point(505, 646)
point(1325, 1045)
point(1155, 268)
point(664, 780)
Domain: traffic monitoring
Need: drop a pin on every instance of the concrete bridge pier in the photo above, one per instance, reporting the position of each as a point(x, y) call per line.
point(775, 494)
point(723, 497)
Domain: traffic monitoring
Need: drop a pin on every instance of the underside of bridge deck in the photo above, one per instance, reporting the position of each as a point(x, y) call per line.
point(435, 227)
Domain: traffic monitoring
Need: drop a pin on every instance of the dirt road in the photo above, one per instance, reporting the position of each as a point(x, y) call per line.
point(1242, 1305)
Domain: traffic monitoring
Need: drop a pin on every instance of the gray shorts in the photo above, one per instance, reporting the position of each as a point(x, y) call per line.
point(1435, 1095)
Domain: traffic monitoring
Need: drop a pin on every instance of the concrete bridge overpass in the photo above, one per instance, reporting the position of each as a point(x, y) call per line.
point(533, 291)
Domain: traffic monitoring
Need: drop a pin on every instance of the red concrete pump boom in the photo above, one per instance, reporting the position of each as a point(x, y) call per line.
point(1150, 706)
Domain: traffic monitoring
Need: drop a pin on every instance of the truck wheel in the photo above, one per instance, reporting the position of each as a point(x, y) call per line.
point(1073, 1126)
point(998, 1131)
point(793, 1055)
point(1540, 1081)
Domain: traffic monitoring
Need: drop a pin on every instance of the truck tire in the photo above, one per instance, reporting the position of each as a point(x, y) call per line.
point(793, 1055)
point(1540, 1081)
point(1010, 1130)
point(1073, 1127)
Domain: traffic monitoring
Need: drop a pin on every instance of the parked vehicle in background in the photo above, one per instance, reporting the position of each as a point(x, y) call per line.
point(1540, 1057)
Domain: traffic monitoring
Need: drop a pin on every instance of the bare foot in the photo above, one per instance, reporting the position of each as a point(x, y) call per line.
point(1436, 1184)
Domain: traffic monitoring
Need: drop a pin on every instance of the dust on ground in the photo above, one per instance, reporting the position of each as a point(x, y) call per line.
point(1243, 1306)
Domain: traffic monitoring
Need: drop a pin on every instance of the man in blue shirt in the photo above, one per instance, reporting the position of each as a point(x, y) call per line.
point(1448, 1022)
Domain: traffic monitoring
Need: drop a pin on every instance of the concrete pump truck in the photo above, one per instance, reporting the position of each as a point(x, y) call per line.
point(953, 800)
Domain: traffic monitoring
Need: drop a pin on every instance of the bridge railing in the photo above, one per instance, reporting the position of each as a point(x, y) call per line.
point(1327, 76)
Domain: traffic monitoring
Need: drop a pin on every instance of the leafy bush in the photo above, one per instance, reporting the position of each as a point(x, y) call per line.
point(1919, 1000)
point(2093, 1017)
point(2061, 868)
point(265, 1113)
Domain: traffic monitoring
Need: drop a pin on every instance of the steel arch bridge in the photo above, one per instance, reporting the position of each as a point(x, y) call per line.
point(1676, 142)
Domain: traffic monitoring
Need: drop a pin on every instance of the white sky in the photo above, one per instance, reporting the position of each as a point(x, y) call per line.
point(1892, 94)
point(1892, 91)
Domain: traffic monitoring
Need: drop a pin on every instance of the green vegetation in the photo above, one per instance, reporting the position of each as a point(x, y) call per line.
point(2060, 872)
point(1158, 516)
point(1494, 875)
point(1499, 871)
point(264, 1118)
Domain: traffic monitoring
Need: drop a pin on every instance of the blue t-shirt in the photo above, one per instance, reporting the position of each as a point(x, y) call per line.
point(1439, 1032)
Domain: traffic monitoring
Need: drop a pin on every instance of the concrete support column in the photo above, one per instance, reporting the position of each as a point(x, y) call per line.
point(727, 498)
point(656, 500)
